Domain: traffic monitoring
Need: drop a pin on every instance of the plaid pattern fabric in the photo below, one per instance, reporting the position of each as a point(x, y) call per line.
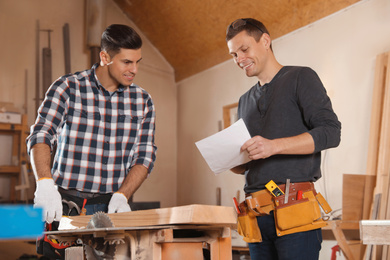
point(99, 135)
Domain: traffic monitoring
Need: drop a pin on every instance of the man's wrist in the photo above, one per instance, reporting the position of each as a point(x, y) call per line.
point(122, 194)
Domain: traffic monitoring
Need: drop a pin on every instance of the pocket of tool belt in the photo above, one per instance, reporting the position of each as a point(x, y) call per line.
point(300, 215)
point(247, 225)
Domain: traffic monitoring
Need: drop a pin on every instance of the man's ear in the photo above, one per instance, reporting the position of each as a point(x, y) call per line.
point(104, 58)
point(266, 40)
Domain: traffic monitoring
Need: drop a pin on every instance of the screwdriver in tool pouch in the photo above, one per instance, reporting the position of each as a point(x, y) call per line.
point(287, 191)
point(237, 207)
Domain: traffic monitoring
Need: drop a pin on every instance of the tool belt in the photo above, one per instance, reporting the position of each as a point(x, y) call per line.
point(81, 199)
point(297, 215)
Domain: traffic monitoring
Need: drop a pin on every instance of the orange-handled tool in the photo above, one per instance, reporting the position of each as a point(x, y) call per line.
point(299, 195)
point(236, 205)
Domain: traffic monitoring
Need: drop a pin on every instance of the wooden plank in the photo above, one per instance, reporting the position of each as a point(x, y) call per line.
point(353, 196)
point(191, 214)
point(376, 113)
point(384, 150)
point(37, 68)
point(375, 126)
point(368, 201)
point(66, 36)
point(375, 232)
point(382, 185)
point(374, 215)
point(379, 149)
point(46, 69)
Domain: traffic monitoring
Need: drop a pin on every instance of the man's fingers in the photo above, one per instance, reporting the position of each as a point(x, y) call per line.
point(58, 215)
point(49, 216)
point(247, 144)
point(111, 210)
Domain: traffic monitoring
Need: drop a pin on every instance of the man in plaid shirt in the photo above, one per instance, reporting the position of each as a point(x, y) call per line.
point(103, 128)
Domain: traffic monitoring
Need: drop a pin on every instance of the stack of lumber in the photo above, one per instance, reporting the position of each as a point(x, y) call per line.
point(376, 206)
point(191, 214)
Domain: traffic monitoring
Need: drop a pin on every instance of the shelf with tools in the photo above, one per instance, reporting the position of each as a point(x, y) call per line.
point(18, 132)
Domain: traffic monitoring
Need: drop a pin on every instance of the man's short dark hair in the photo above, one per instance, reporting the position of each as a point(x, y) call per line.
point(117, 36)
point(252, 26)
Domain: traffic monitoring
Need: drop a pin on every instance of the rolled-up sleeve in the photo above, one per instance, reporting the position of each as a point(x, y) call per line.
point(50, 116)
point(145, 149)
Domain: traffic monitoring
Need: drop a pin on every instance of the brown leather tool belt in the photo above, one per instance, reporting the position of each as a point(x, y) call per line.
point(262, 202)
point(298, 212)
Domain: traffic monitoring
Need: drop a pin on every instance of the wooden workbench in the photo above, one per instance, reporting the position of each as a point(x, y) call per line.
point(186, 232)
point(346, 233)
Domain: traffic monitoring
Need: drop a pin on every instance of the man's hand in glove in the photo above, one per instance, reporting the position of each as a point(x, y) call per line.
point(48, 197)
point(118, 203)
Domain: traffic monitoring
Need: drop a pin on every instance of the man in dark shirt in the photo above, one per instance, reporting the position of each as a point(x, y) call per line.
point(291, 120)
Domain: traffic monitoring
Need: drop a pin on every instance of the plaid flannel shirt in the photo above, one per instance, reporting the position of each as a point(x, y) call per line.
point(99, 135)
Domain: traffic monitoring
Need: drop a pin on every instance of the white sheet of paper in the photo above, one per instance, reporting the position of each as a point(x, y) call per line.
point(222, 150)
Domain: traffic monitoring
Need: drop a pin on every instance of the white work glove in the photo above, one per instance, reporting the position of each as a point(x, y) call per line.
point(118, 203)
point(48, 198)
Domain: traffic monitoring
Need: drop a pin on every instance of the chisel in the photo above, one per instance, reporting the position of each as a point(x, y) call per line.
point(286, 193)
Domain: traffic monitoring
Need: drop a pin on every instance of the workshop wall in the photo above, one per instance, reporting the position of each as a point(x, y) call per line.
point(342, 48)
point(17, 52)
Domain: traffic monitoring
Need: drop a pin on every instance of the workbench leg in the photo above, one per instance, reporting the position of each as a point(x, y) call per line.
point(221, 246)
point(221, 249)
point(342, 241)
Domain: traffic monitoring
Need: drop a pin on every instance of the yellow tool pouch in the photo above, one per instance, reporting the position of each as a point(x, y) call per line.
point(299, 215)
point(247, 225)
point(260, 203)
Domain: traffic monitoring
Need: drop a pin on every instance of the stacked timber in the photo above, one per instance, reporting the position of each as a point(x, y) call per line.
point(376, 206)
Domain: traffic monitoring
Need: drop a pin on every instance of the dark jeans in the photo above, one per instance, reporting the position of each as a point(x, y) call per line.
point(302, 246)
point(91, 209)
point(96, 202)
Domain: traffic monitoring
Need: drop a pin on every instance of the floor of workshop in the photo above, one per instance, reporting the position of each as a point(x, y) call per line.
point(18, 249)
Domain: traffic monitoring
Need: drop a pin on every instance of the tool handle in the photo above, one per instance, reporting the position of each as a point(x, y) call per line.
point(299, 195)
point(236, 205)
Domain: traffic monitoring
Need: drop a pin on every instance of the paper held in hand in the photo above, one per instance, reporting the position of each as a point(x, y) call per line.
point(222, 150)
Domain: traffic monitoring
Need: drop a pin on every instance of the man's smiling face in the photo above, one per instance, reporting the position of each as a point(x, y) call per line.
point(249, 55)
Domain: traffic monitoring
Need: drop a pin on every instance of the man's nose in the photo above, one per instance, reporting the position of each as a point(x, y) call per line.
point(240, 58)
point(133, 68)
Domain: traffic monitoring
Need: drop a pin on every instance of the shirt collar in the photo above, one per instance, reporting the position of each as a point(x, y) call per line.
point(120, 89)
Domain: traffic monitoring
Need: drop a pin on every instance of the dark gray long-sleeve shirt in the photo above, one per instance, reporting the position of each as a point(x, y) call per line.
point(294, 102)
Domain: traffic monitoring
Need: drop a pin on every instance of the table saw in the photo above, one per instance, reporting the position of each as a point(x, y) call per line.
point(186, 232)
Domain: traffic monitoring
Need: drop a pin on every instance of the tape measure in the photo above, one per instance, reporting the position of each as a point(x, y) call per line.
point(274, 189)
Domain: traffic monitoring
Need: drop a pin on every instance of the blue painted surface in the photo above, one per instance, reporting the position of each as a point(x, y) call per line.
point(20, 222)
